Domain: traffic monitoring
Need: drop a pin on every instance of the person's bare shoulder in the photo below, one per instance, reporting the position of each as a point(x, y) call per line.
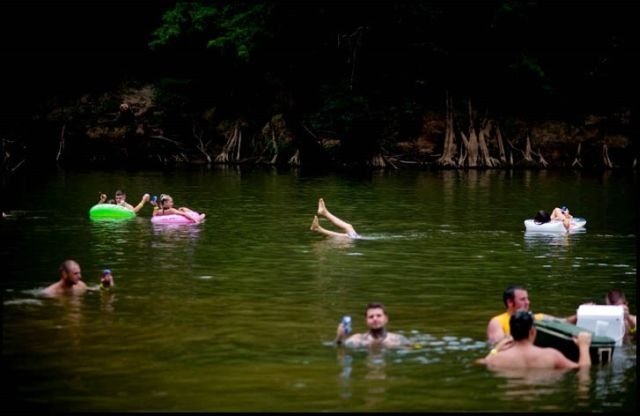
point(354, 341)
point(49, 291)
point(396, 340)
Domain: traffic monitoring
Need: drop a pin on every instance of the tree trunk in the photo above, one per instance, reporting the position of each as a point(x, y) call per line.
point(576, 161)
point(527, 151)
point(483, 137)
point(295, 159)
point(275, 146)
point(233, 143)
point(503, 157)
point(463, 150)
point(377, 161)
point(449, 147)
point(542, 162)
point(472, 148)
point(200, 145)
point(605, 157)
point(472, 144)
point(61, 145)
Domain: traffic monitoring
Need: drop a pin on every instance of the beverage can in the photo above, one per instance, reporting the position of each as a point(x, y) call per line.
point(346, 324)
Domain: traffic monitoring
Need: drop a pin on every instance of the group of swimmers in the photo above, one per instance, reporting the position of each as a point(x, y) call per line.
point(511, 333)
point(162, 206)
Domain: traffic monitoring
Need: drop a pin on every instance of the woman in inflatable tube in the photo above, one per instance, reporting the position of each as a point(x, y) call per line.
point(165, 207)
point(558, 214)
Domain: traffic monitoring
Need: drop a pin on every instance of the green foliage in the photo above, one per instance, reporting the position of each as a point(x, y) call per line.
point(339, 110)
point(237, 26)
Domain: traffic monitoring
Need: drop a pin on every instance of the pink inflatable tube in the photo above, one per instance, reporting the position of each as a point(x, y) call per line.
point(178, 219)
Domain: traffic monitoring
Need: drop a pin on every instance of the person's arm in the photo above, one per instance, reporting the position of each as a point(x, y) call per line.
point(188, 214)
point(144, 199)
point(505, 343)
point(495, 332)
point(629, 321)
point(340, 334)
point(560, 361)
point(584, 342)
point(584, 361)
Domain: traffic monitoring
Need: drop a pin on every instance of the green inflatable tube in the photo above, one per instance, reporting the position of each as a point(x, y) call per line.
point(110, 212)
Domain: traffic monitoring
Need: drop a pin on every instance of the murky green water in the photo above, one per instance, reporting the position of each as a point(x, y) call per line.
point(238, 313)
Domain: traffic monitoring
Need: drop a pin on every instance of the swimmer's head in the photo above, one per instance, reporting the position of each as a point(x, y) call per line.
point(165, 198)
point(564, 210)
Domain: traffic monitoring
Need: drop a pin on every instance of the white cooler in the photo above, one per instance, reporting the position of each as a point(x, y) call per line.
point(603, 320)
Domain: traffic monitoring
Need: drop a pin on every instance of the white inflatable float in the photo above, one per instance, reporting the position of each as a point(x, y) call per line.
point(554, 226)
point(194, 218)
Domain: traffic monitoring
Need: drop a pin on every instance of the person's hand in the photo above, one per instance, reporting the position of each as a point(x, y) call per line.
point(146, 197)
point(504, 343)
point(626, 311)
point(583, 339)
point(106, 280)
point(340, 334)
point(103, 197)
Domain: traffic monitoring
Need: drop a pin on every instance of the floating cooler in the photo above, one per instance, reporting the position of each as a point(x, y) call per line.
point(559, 335)
point(603, 320)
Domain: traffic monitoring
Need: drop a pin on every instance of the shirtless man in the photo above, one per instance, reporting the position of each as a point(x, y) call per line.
point(70, 280)
point(522, 354)
point(121, 199)
point(377, 335)
point(349, 231)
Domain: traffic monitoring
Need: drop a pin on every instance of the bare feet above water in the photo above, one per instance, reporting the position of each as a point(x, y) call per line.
point(315, 224)
point(322, 209)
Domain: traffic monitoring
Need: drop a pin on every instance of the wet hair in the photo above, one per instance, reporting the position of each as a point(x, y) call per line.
point(120, 193)
point(542, 217)
point(615, 297)
point(520, 324)
point(164, 197)
point(375, 306)
point(510, 293)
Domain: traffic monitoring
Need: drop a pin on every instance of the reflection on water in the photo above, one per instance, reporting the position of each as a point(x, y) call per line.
point(533, 238)
point(532, 385)
point(167, 233)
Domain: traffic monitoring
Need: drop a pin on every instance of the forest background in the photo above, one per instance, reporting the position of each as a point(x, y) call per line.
point(321, 84)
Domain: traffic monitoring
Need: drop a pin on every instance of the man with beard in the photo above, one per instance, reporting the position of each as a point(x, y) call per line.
point(70, 280)
point(377, 335)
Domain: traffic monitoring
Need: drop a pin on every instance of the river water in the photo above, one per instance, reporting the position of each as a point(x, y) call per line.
point(238, 313)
